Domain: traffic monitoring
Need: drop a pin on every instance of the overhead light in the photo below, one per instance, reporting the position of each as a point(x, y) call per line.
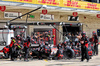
point(30, 5)
point(25, 26)
point(68, 9)
point(44, 6)
point(8, 3)
point(81, 10)
point(94, 11)
point(52, 7)
point(16, 4)
point(61, 23)
point(20, 4)
point(5, 26)
point(11, 3)
point(37, 23)
point(79, 24)
point(4, 3)
point(98, 12)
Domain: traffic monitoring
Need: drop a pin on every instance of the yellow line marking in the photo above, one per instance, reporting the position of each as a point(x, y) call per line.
point(45, 60)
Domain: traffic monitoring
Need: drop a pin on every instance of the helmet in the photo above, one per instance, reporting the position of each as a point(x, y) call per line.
point(28, 36)
point(7, 46)
point(18, 37)
point(33, 34)
point(94, 33)
point(12, 37)
point(83, 33)
point(60, 45)
point(46, 43)
point(49, 31)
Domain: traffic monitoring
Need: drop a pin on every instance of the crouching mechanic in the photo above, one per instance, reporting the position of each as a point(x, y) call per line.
point(5, 51)
point(60, 52)
point(84, 47)
point(47, 50)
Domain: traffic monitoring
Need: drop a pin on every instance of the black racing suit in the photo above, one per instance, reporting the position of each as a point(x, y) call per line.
point(84, 49)
point(14, 47)
point(14, 51)
point(41, 48)
point(26, 49)
point(47, 50)
point(95, 45)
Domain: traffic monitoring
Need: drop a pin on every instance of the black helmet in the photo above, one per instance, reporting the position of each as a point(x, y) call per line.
point(12, 37)
point(28, 36)
point(33, 34)
point(59, 46)
point(46, 43)
point(83, 33)
point(7, 46)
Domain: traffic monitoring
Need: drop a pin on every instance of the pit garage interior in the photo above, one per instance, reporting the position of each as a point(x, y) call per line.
point(72, 28)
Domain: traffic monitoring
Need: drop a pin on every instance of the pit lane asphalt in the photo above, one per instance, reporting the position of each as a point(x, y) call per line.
point(95, 61)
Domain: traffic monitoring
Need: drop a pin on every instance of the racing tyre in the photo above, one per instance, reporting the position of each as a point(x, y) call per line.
point(68, 53)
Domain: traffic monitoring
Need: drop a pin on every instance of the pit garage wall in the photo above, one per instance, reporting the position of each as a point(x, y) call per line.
point(91, 20)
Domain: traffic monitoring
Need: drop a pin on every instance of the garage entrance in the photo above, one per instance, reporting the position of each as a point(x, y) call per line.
point(45, 33)
point(71, 28)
